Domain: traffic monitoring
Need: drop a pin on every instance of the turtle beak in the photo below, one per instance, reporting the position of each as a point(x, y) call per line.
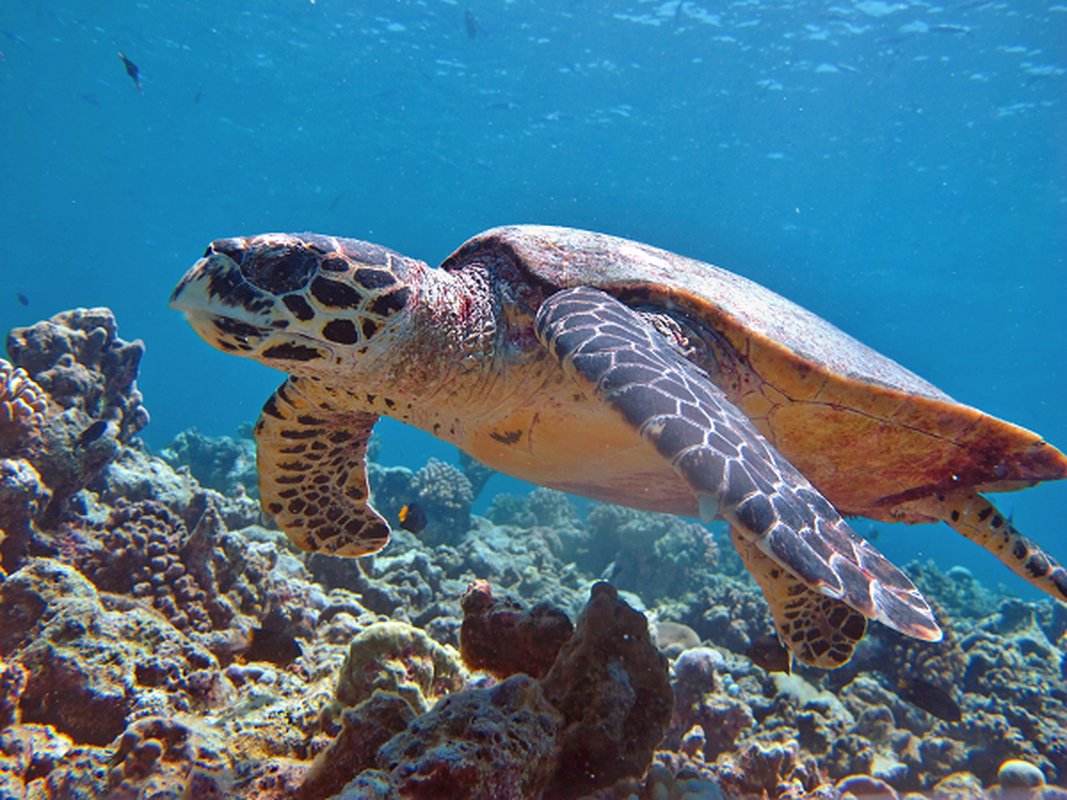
point(233, 297)
point(220, 305)
point(217, 283)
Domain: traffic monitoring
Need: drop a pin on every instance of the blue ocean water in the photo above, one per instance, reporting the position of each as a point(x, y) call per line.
point(900, 168)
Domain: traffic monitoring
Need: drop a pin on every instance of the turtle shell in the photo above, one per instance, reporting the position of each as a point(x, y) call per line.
point(868, 433)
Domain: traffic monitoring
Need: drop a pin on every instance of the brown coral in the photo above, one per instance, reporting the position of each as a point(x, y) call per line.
point(499, 637)
point(611, 683)
point(364, 729)
point(141, 550)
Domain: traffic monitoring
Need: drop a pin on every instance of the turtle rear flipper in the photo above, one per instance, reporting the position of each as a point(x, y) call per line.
point(312, 472)
point(977, 518)
point(819, 630)
point(733, 471)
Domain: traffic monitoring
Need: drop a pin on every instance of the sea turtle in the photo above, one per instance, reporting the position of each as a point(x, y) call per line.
point(624, 373)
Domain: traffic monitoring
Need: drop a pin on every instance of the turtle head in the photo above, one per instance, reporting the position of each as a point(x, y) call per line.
point(296, 302)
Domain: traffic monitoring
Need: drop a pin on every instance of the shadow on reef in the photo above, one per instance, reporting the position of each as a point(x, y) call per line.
point(157, 641)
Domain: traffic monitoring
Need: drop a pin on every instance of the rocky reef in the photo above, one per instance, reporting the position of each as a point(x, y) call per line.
point(156, 641)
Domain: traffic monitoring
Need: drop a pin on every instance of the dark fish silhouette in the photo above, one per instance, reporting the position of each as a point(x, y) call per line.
point(272, 646)
point(767, 652)
point(471, 23)
point(91, 434)
point(930, 698)
point(17, 39)
point(90, 99)
point(413, 518)
point(132, 71)
point(966, 31)
point(22, 299)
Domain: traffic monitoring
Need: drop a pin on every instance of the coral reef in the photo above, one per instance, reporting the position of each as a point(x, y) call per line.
point(12, 685)
point(89, 376)
point(77, 358)
point(159, 756)
point(90, 669)
point(225, 464)
point(68, 404)
point(23, 497)
point(446, 496)
point(156, 642)
point(658, 555)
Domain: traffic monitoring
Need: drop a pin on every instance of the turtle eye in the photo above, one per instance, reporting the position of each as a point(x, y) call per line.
point(279, 269)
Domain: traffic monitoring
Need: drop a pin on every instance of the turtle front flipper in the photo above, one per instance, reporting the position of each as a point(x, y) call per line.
point(733, 471)
point(312, 472)
point(977, 518)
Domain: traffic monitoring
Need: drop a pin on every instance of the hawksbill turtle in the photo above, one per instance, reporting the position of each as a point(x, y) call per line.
point(624, 373)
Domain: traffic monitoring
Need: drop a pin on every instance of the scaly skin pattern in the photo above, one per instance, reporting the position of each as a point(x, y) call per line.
point(716, 450)
point(975, 517)
point(309, 454)
point(821, 631)
point(868, 433)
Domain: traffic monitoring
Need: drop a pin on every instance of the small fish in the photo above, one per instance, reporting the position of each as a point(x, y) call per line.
point(132, 71)
point(23, 299)
point(950, 29)
point(413, 518)
point(930, 698)
point(767, 652)
point(17, 39)
point(91, 434)
point(90, 99)
point(273, 646)
point(471, 23)
point(199, 94)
